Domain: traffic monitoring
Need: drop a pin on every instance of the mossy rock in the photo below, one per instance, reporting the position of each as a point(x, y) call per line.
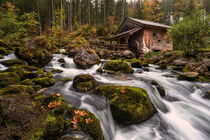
point(91, 128)
point(84, 82)
point(23, 74)
point(12, 62)
point(8, 78)
point(62, 60)
point(99, 70)
point(43, 73)
point(189, 76)
point(38, 52)
point(44, 81)
point(129, 105)
point(29, 68)
point(207, 95)
point(1, 56)
point(135, 63)
point(26, 82)
point(160, 89)
point(65, 80)
point(178, 68)
point(57, 71)
point(118, 66)
point(3, 51)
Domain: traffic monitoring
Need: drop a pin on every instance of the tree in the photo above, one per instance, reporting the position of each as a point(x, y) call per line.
point(152, 10)
point(138, 10)
point(190, 34)
point(38, 11)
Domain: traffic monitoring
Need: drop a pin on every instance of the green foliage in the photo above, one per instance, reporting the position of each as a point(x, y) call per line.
point(14, 28)
point(191, 33)
point(100, 30)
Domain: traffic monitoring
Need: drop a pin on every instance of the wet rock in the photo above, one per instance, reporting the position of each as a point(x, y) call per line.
point(180, 62)
point(62, 60)
point(86, 59)
point(191, 76)
point(128, 54)
point(72, 52)
point(3, 51)
point(118, 66)
point(129, 105)
point(37, 52)
point(207, 95)
point(163, 67)
point(57, 71)
point(153, 60)
point(65, 80)
point(84, 82)
point(135, 63)
point(44, 81)
point(160, 89)
point(12, 62)
point(8, 78)
point(168, 54)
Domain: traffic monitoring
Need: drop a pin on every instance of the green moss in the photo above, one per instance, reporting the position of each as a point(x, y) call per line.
point(29, 68)
point(3, 50)
point(190, 76)
point(129, 105)
point(118, 66)
point(8, 78)
point(160, 89)
point(44, 81)
point(110, 72)
point(135, 63)
point(179, 68)
point(84, 82)
point(57, 71)
point(93, 129)
point(12, 62)
point(1, 56)
point(65, 80)
point(26, 82)
point(99, 70)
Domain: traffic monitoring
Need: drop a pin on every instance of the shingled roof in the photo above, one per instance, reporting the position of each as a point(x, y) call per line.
point(150, 23)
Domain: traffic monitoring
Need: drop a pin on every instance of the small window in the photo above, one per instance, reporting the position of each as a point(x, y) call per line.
point(154, 34)
point(159, 41)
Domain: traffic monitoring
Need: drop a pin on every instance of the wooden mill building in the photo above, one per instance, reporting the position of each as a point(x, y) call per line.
point(142, 36)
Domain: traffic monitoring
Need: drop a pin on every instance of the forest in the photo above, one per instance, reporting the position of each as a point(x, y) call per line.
point(104, 69)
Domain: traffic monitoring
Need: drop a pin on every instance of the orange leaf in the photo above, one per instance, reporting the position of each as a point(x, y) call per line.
point(122, 91)
point(58, 94)
point(89, 120)
point(52, 105)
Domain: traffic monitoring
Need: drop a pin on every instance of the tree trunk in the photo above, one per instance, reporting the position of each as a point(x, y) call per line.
point(104, 12)
point(107, 8)
point(61, 14)
point(70, 16)
point(38, 11)
point(53, 12)
point(123, 9)
point(80, 13)
point(88, 4)
point(96, 4)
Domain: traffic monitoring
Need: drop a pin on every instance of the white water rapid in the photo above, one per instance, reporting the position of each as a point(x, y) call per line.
point(182, 114)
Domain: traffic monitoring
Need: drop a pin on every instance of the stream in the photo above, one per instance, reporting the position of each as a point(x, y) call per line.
point(182, 114)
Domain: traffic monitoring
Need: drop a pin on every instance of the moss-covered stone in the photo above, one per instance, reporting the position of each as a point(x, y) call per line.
point(99, 70)
point(65, 80)
point(110, 72)
point(207, 95)
point(8, 78)
point(160, 89)
point(135, 63)
point(190, 76)
point(23, 74)
point(129, 105)
point(12, 62)
point(84, 82)
point(57, 71)
point(26, 82)
point(62, 60)
point(37, 51)
point(29, 68)
point(44, 81)
point(1, 56)
point(3, 51)
point(118, 66)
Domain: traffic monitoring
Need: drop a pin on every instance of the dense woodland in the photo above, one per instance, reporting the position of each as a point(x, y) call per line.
point(96, 12)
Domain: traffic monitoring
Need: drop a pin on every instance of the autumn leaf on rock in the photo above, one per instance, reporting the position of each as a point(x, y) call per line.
point(89, 120)
point(52, 105)
point(122, 91)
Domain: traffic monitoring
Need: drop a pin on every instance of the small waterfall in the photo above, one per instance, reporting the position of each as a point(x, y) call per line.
point(182, 114)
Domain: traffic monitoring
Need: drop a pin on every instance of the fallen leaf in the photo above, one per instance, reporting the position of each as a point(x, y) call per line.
point(122, 91)
point(52, 105)
point(89, 120)
point(58, 94)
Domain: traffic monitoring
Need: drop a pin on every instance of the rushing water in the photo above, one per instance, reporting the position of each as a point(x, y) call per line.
point(182, 114)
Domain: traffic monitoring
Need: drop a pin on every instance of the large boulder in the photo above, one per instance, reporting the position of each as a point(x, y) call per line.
point(118, 66)
point(8, 78)
point(190, 76)
point(84, 82)
point(129, 105)
point(37, 52)
point(86, 59)
point(128, 54)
